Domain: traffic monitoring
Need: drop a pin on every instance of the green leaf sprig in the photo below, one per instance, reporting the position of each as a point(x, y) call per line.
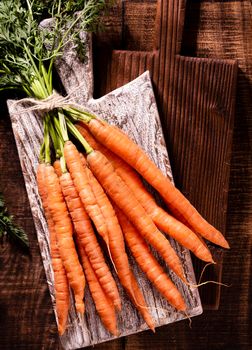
point(27, 52)
point(9, 228)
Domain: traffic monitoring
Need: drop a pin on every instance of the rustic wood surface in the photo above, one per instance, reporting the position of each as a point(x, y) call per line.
point(196, 102)
point(219, 29)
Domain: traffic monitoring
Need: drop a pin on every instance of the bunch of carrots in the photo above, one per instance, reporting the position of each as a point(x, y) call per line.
point(96, 187)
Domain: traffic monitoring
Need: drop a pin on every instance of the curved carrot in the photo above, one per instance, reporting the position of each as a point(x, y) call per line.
point(64, 232)
point(149, 264)
point(126, 201)
point(103, 304)
point(118, 142)
point(160, 217)
point(60, 278)
point(86, 237)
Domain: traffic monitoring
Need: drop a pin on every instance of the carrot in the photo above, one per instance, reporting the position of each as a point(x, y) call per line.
point(81, 183)
point(165, 222)
point(118, 142)
point(86, 237)
point(57, 168)
point(117, 249)
point(103, 304)
point(82, 176)
point(124, 198)
point(149, 264)
point(140, 304)
point(64, 232)
point(60, 278)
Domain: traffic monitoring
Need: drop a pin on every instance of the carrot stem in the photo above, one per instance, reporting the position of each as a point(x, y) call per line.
point(47, 143)
point(63, 126)
point(42, 153)
point(77, 114)
point(75, 132)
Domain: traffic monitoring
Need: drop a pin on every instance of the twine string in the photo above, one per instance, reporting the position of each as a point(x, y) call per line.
point(54, 101)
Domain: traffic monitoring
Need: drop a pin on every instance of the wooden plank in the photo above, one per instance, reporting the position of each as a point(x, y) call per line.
point(195, 97)
point(124, 107)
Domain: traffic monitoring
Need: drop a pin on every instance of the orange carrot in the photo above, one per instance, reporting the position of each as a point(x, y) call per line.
point(140, 304)
point(117, 249)
point(160, 217)
point(149, 264)
point(86, 237)
point(103, 304)
point(118, 142)
point(126, 201)
point(64, 232)
point(60, 278)
point(81, 183)
point(82, 176)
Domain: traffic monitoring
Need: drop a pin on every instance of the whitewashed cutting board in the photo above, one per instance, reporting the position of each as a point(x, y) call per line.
point(132, 108)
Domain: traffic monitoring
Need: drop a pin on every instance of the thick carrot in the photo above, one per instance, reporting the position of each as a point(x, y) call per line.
point(81, 183)
point(124, 198)
point(149, 264)
point(118, 142)
point(64, 231)
point(113, 231)
point(86, 237)
point(160, 217)
point(103, 304)
point(60, 279)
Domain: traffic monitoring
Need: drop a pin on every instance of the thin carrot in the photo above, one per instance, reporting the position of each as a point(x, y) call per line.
point(149, 264)
point(124, 198)
point(86, 236)
point(103, 304)
point(64, 231)
point(140, 304)
point(60, 279)
point(160, 217)
point(118, 142)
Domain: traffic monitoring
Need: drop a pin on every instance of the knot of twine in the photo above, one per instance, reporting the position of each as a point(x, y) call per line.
point(54, 101)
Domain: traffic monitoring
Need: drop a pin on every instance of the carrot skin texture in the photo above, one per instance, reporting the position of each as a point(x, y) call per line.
point(113, 234)
point(87, 239)
point(81, 183)
point(140, 304)
point(165, 222)
point(118, 142)
point(62, 296)
point(117, 249)
point(64, 232)
point(126, 201)
point(149, 264)
point(102, 303)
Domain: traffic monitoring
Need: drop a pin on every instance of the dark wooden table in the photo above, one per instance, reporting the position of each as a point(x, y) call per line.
point(218, 29)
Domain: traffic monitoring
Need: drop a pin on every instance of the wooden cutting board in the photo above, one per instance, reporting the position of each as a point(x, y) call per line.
point(195, 98)
point(133, 108)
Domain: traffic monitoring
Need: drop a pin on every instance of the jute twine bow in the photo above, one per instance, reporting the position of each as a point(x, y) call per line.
point(54, 101)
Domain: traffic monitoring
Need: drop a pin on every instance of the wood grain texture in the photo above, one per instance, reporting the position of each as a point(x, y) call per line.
point(195, 97)
point(220, 29)
point(124, 107)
